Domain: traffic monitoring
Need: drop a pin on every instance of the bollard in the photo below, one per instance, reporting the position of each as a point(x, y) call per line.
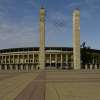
point(86, 66)
point(32, 68)
point(21, 67)
point(5, 67)
point(11, 67)
point(0, 68)
point(91, 66)
point(26, 67)
point(96, 66)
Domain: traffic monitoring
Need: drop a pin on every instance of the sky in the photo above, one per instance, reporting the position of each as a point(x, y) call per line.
point(19, 22)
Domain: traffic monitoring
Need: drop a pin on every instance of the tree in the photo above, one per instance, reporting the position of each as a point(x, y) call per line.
point(86, 56)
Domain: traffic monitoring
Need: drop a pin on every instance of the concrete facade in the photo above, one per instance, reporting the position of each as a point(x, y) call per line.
point(76, 39)
point(27, 59)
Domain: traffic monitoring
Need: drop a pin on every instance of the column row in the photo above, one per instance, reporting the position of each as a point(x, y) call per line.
point(92, 66)
point(57, 60)
point(19, 59)
point(18, 67)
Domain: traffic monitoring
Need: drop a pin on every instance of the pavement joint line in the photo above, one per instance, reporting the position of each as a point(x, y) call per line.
point(18, 84)
point(56, 84)
point(57, 93)
point(39, 87)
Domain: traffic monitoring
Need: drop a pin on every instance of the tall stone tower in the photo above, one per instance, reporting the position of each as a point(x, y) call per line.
point(42, 39)
point(76, 39)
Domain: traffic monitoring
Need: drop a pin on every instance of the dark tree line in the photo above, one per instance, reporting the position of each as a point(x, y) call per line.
point(86, 55)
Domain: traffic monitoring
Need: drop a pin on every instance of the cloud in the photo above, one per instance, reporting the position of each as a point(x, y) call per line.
point(18, 36)
point(18, 23)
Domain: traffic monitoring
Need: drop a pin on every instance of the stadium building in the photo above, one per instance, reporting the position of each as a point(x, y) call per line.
point(32, 58)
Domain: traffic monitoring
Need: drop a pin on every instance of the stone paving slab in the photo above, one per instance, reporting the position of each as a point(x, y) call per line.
point(11, 87)
point(52, 85)
point(72, 85)
point(35, 90)
point(73, 91)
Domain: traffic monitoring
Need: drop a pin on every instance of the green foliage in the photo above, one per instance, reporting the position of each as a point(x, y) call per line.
point(86, 55)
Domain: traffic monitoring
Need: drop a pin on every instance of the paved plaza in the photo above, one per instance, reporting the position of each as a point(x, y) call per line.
point(50, 85)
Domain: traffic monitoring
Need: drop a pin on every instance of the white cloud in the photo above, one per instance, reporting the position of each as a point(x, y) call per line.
point(18, 34)
point(18, 31)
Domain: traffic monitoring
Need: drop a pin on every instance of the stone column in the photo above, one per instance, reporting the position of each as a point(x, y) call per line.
point(18, 59)
point(76, 39)
point(32, 67)
point(23, 59)
point(1, 63)
point(27, 67)
point(61, 61)
point(50, 60)
point(10, 67)
point(10, 63)
point(33, 62)
point(42, 39)
point(67, 60)
point(28, 63)
point(23, 62)
point(91, 66)
point(56, 60)
point(95, 66)
point(21, 67)
point(9, 59)
point(5, 67)
point(0, 67)
point(5, 59)
point(86, 66)
point(13, 60)
point(93, 60)
point(16, 67)
point(5, 63)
